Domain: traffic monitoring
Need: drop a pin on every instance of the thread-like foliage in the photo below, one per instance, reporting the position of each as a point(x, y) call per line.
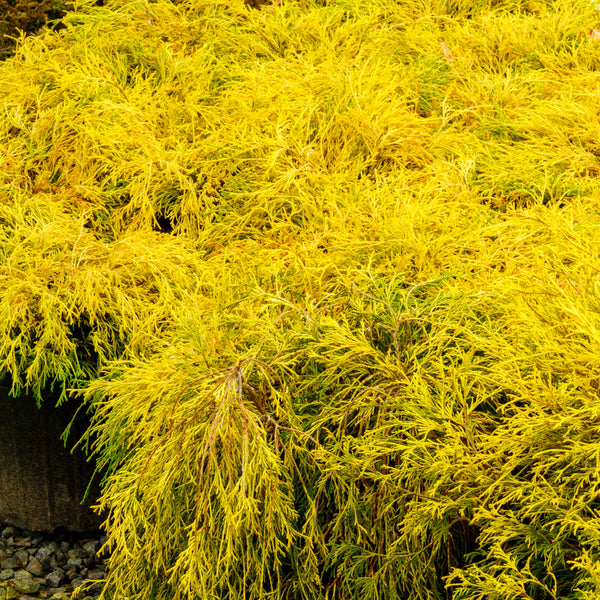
point(327, 277)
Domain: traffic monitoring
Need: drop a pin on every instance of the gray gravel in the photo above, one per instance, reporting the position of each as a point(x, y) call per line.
point(36, 565)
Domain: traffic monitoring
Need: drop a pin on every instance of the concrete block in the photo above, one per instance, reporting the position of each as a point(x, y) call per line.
point(41, 482)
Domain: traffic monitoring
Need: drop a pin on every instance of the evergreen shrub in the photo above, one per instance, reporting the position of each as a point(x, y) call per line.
point(326, 277)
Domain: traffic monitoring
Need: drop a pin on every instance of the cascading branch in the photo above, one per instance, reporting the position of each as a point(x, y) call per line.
point(327, 278)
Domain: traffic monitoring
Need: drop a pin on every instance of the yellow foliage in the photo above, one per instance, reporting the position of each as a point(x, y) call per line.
point(327, 277)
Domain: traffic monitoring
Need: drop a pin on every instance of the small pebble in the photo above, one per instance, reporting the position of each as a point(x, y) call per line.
point(9, 563)
point(59, 590)
point(91, 547)
point(74, 562)
point(55, 578)
point(44, 555)
point(22, 556)
point(34, 566)
point(22, 574)
point(26, 585)
point(77, 553)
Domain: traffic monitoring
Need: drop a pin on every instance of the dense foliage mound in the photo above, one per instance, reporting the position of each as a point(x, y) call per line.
point(327, 277)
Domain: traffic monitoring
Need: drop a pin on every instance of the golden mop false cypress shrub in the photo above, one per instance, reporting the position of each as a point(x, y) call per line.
point(327, 275)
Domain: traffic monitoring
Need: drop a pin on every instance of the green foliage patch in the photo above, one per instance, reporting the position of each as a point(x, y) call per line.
point(327, 278)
